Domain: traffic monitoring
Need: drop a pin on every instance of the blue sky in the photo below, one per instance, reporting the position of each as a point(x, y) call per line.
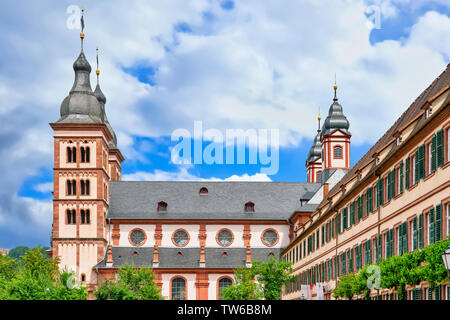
point(231, 64)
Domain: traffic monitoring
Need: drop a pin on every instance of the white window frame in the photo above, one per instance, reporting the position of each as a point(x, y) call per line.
point(429, 158)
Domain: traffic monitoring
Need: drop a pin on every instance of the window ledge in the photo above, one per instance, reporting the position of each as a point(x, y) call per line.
point(398, 196)
point(429, 176)
point(445, 165)
point(412, 187)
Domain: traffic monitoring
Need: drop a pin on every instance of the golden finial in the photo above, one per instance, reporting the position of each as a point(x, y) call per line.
point(97, 71)
point(335, 85)
point(82, 24)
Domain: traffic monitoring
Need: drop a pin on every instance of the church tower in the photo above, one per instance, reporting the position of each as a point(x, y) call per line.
point(86, 159)
point(314, 159)
point(335, 139)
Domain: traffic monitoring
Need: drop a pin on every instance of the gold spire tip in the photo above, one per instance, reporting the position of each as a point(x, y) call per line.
point(81, 35)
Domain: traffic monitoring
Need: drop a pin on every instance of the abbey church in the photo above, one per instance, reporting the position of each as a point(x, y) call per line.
point(193, 234)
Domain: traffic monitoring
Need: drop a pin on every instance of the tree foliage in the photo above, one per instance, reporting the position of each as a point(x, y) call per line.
point(37, 277)
point(270, 277)
point(397, 272)
point(132, 284)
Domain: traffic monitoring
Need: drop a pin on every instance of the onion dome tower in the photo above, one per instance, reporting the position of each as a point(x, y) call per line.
point(102, 101)
point(335, 139)
point(314, 159)
point(81, 105)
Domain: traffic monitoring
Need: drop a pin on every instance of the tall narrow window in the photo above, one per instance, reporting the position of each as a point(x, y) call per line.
point(338, 152)
point(178, 289)
point(84, 184)
point(223, 284)
point(71, 216)
point(74, 154)
point(69, 187)
point(83, 154)
point(85, 216)
point(69, 154)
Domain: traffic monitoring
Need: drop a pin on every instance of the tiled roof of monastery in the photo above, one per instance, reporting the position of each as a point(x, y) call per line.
point(225, 200)
point(189, 257)
point(412, 112)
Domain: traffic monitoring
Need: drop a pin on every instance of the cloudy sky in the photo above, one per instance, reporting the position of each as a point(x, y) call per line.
point(250, 64)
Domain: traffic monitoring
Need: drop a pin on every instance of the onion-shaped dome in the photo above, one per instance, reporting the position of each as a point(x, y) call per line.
point(316, 149)
point(102, 101)
point(81, 105)
point(336, 119)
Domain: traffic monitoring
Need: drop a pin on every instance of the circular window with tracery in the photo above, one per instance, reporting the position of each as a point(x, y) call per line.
point(224, 237)
point(180, 238)
point(270, 237)
point(137, 237)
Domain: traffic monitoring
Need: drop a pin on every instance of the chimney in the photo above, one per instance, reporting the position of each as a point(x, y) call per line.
point(325, 190)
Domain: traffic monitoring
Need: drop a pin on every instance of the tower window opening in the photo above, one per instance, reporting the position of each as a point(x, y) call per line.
point(71, 216)
point(85, 216)
point(85, 154)
point(338, 152)
point(84, 187)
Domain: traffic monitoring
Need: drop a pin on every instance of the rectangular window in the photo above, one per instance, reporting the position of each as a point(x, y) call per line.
point(433, 156)
point(344, 218)
point(352, 213)
point(414, 232)
point(448, 218)
point(440, 148)
point(420, 231)
point(369, 202)
point(431, 227)
point(407, 167)
point(438, 224)
point(401, 178)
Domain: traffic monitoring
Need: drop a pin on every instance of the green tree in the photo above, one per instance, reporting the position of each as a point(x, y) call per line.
point(244, 287)
point(132, 284)
point(345, 287)
point(18, 252)
point(273, 275)
point(37, 277)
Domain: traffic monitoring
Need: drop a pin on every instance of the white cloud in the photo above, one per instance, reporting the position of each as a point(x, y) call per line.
point(44, 187)
point(264, 64)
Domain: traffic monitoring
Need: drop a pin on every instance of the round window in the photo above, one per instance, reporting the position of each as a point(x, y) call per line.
point(137, 237)
point(225, 237)
point(270, 237)
point(180, 237)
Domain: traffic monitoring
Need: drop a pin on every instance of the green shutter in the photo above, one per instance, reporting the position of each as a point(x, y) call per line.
point(422, 161)
point(438, 227)
point(433, 154)
point(380, 246)
point(440, 148)
point(415, 233)
point(401, 177)
point(352, 213)
point(407, 173)
point(345, 220)
point(338, 223)
point(405, 235)
point(431, 226)
point(416, 166)
point(400, 239)
point(420, 231)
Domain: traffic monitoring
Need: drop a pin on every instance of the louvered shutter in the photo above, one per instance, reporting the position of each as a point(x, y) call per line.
point(345, 219)
point(339, 223)
point(416, 166)
point(407, 173)
point(433, 154)
point(420, 231)
point(415, 233)
point(422, 161)
point(440, 148)
point(400, 239)
point(401, 177)
point(405, 235)
point(438, 224)
point(380, 245)
point(323, 235)
point(437, 292)
point(431, 225)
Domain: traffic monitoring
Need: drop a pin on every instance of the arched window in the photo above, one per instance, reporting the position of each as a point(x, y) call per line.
point(178, 289)
point(74, 154)
point(337, 152)
point(69, 154)
point(223, 284)
point(85, 216)
point(71, 187)
point(249, 207)
point(85, 154)
point(203, 190)
point(71, 216)
point(162, 206)
point(84, 187)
